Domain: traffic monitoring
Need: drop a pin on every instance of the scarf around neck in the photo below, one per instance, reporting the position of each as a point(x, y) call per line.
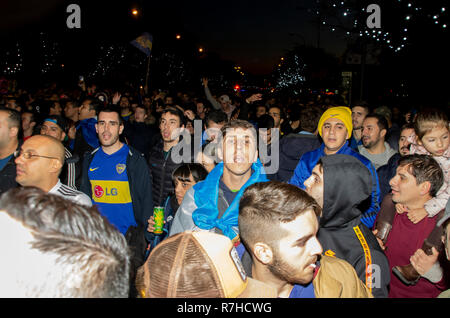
point(206, 198)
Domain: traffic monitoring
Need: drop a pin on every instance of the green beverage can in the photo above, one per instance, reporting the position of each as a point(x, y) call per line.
point(158, 215)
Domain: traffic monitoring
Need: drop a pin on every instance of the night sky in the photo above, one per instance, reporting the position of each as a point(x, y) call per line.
point(252, 33)
point(255, 34)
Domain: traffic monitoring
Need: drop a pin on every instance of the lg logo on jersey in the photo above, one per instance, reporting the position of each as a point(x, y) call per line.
point(99, 192)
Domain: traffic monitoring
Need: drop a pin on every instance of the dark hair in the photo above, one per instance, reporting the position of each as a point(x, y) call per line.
point(53, 104)
point(94, 104)
point(363, 104)
point(183, 172)
point(381, 120)
point(407, 126)
point(216, 116)
point(33, 115)
point(73, 102)
point(143, 107)
point(427, 119)
point(282, 114)
point(176, 112)
point(309, 118)
point(14, 118)
point(91, 252)
point(112, 109)
point(424, 168)
point(265, 121)
point(264, 205)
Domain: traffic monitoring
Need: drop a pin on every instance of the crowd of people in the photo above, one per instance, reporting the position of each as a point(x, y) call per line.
point(263, 196)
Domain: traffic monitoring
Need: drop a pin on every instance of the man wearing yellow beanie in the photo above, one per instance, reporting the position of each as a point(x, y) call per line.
point(335, 127)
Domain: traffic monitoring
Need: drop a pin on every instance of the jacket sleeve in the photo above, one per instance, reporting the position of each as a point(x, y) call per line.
point(85, 183)
point(300, 174)
point(380, 273)
point(183, 217)
point(245, 109)
point(211, 99)
point(370, 215)
point(143, 190)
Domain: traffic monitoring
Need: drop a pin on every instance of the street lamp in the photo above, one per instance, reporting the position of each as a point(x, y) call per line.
point(134, 12)
point(178, 36)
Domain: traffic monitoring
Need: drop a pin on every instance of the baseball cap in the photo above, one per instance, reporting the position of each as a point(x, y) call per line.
point(340, 112)
point(224, 98)
point(197, 264)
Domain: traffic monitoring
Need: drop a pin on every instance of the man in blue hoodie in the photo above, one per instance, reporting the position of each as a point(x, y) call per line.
point(335, 127)
point(213, 204)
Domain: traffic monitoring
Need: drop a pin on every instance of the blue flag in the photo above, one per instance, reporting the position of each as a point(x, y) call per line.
point(144, 43)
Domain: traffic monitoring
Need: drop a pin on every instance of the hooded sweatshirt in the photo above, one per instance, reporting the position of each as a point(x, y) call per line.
point(347, 186)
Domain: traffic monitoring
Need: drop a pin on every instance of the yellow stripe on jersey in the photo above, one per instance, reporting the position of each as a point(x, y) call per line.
point(110, 191)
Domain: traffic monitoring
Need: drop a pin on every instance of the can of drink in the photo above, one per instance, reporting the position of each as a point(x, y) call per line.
point(158, 215)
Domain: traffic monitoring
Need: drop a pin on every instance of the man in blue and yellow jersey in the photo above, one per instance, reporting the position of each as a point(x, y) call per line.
point(116, 176)
point(117, 179)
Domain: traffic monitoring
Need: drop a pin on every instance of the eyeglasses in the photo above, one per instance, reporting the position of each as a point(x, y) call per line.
point(28, 155)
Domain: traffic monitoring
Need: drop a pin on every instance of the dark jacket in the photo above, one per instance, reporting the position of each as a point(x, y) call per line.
point(348, 183)
point(8, 174)
point(140, 136)
point(292, 148)
point(161, 168)
point(139, 180)
point(386, 173)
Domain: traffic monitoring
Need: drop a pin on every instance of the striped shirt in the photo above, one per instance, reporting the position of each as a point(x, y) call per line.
point(70, 194)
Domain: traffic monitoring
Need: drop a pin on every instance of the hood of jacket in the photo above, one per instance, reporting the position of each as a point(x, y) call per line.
point(347, 186)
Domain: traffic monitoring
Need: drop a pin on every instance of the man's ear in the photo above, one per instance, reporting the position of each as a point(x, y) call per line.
point(121, 127)
point(263, 253)
point(425, 187)
point(383, 132)
point(96, 128)
point(56, 165)
point(63, 136)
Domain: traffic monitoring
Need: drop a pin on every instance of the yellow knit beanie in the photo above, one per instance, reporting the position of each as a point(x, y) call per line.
point(341, 112)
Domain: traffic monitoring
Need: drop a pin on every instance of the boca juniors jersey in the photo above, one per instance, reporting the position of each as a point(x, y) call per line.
point(110, 187)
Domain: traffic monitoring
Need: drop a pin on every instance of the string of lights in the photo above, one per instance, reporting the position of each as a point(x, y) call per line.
point(13, 60)
point(350, 17)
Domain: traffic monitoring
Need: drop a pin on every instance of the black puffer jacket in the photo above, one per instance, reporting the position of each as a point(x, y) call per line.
point(162, 167)
point(348, 183)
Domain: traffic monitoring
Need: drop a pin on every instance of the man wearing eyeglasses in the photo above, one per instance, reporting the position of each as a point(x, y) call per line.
point(38, 164)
